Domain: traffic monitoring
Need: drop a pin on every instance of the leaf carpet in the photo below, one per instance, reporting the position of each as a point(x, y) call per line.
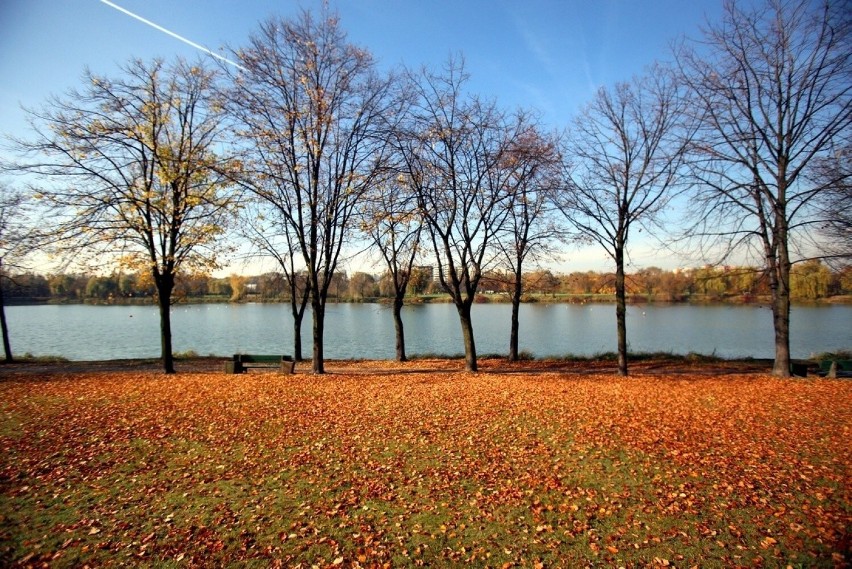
point(424, 468)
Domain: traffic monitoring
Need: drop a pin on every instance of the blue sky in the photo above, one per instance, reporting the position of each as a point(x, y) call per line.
point(547, 55)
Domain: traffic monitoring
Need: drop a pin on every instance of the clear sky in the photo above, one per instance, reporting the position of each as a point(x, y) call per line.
point(549, 55)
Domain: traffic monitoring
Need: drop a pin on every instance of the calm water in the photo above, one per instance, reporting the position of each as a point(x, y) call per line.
point(81, 332)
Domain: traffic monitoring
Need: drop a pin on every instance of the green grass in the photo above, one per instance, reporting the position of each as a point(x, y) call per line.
point(691, 357)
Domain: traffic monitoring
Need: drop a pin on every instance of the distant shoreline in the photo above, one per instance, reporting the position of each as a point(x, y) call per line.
point(493, 298)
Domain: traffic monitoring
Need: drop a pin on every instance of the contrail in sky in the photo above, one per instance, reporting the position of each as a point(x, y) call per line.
point(171, 33)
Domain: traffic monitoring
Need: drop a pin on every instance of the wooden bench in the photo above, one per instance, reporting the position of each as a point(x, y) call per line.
point(241, 362)
point(835, 368)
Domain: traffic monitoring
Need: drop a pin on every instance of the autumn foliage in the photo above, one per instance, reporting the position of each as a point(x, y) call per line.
point(411, 465)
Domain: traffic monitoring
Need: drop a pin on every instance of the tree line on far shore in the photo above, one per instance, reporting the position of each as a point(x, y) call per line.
point(810, 281)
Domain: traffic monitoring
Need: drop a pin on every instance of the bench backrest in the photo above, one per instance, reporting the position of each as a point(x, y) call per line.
point(260, 359)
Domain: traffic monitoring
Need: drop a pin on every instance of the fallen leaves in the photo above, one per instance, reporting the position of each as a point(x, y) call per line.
point(422, 468)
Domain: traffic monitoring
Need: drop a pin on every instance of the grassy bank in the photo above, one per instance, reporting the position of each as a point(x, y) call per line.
point(410, 468)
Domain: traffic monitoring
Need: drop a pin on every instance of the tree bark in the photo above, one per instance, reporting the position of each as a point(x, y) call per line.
point(621, 311)
point(514, 354)
point(781, 303)
point(400, 332)
point(297, 339)
point(318, 308)
point(298, 311)
point(165, 285)
point(467, 336)
point(781, 321)
point(7, 346)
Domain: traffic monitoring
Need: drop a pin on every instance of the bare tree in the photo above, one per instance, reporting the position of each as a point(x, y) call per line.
point(15, 242)
point(530, 170)
point(773, 85)
point(128, 168)
point(627, 150)
point(451, 148)
point(392, 221)
point(310, 107)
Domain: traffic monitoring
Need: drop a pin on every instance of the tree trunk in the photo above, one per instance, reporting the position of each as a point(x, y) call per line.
point(319, 326)
point(7, 346)
point(298, 311)
point(781, 310)
point(516, 309)
point(467, 336)
point(621, 311)
point(297, 338)
point(165, 284)
point(781, 322)
point(400, 332)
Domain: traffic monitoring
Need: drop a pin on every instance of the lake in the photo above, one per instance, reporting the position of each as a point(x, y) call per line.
point(84, 332)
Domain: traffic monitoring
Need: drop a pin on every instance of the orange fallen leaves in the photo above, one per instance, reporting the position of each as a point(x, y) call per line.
point(422, 468)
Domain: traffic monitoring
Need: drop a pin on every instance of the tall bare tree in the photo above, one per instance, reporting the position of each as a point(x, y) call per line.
point(451, 148)
point(130, 167)
point(310, 107)
point(392, 221)
point(774, 85)
point(627, 153)
point(530, 171)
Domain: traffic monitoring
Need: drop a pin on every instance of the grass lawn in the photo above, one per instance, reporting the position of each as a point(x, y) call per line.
point(412, 467)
